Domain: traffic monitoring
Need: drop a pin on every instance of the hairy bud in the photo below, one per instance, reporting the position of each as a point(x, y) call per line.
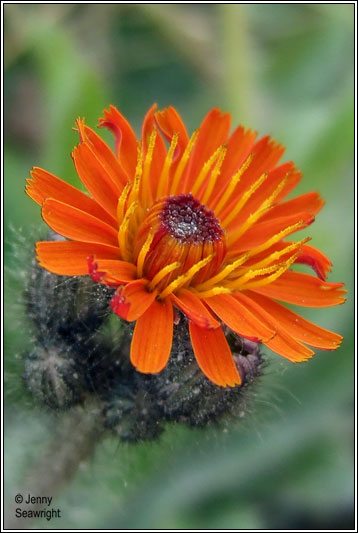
point(81, 350)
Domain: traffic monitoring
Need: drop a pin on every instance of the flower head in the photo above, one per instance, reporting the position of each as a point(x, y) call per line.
point(200, 225)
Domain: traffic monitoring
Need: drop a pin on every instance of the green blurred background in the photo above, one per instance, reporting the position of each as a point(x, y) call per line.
point(282, 69)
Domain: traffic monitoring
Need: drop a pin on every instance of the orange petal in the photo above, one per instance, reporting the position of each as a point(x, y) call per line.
point(304, 289)
point(152, 338)
point(132, 300)
point(239, 318)
point(297, 326)
point(69, 258)
point(104, 154)
point(310, 202)
point(96, 179)
point(316, 259)
point(194, 309)
point(114, 272)
point(76, 224)
point(281, 343)
point(169, 122)
point(213, 132)
point(263, 231)
point(214, 356)
point(126, 142)
point(44, 185)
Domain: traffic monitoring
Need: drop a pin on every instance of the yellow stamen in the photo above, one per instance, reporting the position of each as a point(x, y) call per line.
point(121, 203)
point(181, 280)
point(273, 277)
point(233, 182)
point(143, 253)
point(253, 273)
point(162, 273)
point(276, 238)
point(205, 169)
point(223, 274)
point(163, 183)
point(214, 175)
point(276, 255)
point(146, 192)
point(243, 200)
point(135, 190)
point(183, 162)
point(123, 233)
point(213, 292)
point(250, 221)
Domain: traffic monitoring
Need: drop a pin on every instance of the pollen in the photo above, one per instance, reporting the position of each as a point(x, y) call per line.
point(188, 221)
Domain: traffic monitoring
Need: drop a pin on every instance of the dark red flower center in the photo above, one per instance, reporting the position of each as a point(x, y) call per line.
point(188, 221)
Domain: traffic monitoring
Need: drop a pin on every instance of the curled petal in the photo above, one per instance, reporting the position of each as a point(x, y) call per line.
point(315, 259)
point(125, 139)
point(169, 122)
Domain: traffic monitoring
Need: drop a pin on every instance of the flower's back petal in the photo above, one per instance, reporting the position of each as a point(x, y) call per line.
point(281, 343)
point(194, 309)
point(44, 185)
point(76, 224)
point(152, 338)
point(125, 139)
point(304, 289)
point(213, 132)
point(214, 356)
point(239, 318)
point(106, 157)
point(132, 300)
point(169, 122)
point(70, 258)
point(297, 326)
point(263, 231)
point(96, 179)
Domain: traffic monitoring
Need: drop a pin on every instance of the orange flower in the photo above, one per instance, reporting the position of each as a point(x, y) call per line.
point(201, 226)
